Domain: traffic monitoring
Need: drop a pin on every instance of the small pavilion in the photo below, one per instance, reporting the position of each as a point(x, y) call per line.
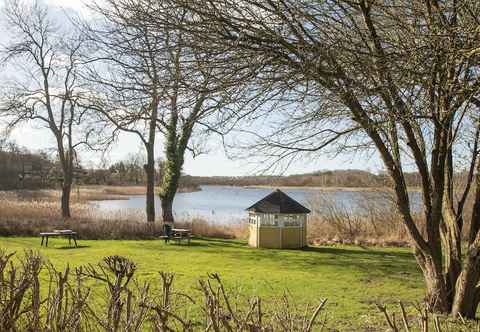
point(278, 221)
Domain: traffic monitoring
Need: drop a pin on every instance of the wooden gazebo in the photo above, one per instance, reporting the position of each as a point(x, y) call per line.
point(278, 221)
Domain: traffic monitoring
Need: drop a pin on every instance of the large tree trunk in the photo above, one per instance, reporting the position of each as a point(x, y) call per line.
point(451, 228)
point(466, 298)
point(467, 293)
point(170, 179)
point(167, 209)
point(436, 295)
point(451, 238)
point(150, 195)
point(169, 187)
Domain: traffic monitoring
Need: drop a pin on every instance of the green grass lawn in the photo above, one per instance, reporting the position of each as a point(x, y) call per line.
point(351, 278)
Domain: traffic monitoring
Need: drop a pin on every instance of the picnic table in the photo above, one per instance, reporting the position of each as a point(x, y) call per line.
point(181, 234)
point(68, 233)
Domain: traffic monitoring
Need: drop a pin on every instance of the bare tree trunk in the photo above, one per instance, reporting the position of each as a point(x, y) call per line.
point(150, 195)
point(436, 292)
point(466, 298)
point(451, 237)
point(66, 160)
point(66, 190)
point(467, 294)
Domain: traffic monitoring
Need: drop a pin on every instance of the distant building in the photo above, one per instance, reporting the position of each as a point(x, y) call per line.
point(278, 221)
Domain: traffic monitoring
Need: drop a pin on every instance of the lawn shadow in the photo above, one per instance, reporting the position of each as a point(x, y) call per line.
point(180, 244)
point(373, 262)
point(361, 251)
point(72, 247)
point(213, 242)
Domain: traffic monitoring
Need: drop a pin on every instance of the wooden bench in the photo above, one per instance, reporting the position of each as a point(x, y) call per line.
point(71, 235)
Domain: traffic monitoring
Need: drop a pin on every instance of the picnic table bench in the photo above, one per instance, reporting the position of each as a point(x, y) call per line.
point(177, 235)
point(71, 235)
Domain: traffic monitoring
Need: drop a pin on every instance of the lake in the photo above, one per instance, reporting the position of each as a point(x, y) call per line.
point(225, 204)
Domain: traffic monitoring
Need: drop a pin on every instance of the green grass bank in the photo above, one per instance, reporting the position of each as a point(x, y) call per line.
point(351, 278)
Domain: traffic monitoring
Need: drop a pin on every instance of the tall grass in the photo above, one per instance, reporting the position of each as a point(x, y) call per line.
point(27, 213)
point(375, 221)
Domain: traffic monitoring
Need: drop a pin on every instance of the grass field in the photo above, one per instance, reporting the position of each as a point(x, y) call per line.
point(351, 278)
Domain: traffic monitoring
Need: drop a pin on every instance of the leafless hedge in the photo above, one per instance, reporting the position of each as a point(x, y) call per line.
point(421, 319)
point(35, 296)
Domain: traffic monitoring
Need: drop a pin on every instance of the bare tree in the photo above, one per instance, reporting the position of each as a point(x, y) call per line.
point(126, 72)
point(402, 76)
point(151, 81)
point(46, 89)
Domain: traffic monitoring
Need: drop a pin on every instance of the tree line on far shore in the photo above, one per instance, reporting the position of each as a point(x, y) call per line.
point(22, 169)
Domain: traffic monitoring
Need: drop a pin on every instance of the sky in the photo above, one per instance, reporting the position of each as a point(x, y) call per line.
point(214, 163)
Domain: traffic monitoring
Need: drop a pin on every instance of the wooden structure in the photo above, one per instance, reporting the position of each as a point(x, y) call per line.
point(69, 234)
point(278, 221)
point(179, 235)
point(176, 234)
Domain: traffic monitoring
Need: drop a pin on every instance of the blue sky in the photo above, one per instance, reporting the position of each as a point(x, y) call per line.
point(214, 162)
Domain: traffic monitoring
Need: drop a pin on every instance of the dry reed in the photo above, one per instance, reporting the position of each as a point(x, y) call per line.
point(375, 222)
point(27, 213)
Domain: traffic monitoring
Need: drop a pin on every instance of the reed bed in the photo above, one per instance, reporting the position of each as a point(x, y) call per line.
point(83, 194)
point(215, 230)
point(27, 213)
point(375, 222)
point(119, 191)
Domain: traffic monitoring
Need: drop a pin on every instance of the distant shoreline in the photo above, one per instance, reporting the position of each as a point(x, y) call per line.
point(327, 189)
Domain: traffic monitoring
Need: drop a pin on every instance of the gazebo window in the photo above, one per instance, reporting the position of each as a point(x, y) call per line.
point(270, 220)
point(291, 220)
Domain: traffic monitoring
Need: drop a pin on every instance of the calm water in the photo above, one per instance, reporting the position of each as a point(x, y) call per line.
point(228, 204)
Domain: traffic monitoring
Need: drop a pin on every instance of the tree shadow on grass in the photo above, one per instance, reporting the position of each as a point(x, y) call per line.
point(360, 251)
point(222, 242)
point(372, 262)
point(196, 242)
point(71, 247)
point(185, 245)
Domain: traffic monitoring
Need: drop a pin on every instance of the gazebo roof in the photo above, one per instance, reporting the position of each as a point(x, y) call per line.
point(278, 202)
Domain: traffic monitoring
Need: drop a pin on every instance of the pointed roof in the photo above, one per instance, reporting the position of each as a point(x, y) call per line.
point(278, 202)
